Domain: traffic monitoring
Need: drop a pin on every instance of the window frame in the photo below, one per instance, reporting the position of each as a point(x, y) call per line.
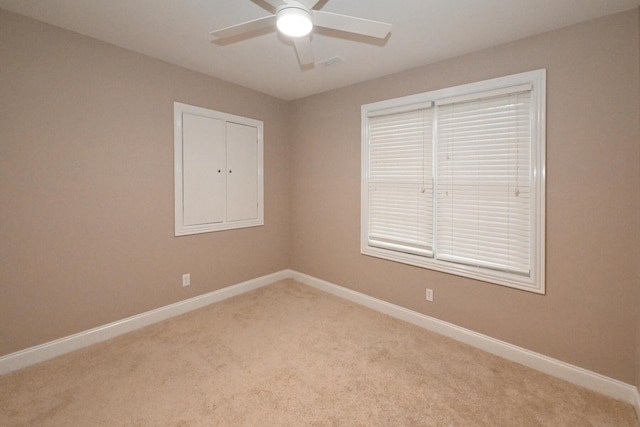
point(535, 282)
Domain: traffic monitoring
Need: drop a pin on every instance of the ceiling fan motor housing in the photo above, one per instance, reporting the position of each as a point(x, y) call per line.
point(294, 19)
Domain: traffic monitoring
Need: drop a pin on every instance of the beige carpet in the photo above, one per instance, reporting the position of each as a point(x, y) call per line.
point(290, 355)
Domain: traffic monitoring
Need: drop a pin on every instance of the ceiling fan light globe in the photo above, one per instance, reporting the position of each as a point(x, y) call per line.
point(294, 22)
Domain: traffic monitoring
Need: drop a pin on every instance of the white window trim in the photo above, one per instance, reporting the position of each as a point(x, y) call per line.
point(180, 228)
point(536, 280)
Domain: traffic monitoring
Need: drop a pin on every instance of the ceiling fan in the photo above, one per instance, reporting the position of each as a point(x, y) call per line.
point(297, 18)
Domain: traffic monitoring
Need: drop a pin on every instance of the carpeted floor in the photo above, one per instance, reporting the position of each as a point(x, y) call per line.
point(290, 355)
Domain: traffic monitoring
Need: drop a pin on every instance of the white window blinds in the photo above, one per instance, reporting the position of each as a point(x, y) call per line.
point(400, 188)
point(454, 180)
point(483, 181)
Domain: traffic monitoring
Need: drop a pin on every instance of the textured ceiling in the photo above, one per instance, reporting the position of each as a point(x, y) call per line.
point(424, 31)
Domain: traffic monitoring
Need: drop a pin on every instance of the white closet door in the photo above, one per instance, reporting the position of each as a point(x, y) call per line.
point(203, 157)
point(242, 172)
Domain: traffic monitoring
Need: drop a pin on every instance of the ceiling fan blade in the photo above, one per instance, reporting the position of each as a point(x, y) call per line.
point(304, 51)
point(351, 24)
point(245, 27)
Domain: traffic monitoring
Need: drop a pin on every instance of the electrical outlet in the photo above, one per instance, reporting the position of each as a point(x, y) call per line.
point(429, 295)
point(186, 279)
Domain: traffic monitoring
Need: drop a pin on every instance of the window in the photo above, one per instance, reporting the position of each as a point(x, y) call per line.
point(453, 180)
point(218, 171)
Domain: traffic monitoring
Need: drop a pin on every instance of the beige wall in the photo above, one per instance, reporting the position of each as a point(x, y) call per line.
point(587, 316)
point(86, 185)
point(86, 191)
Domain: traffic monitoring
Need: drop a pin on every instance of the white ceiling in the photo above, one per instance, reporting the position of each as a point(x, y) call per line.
point(424, 31)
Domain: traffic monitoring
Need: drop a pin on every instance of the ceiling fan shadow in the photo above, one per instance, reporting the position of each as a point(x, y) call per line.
point(307, 67)
point(345, 35)
point(266, 6)
point(320, 4)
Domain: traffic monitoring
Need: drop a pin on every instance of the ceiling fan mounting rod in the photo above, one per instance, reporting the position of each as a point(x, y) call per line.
point(293, 4)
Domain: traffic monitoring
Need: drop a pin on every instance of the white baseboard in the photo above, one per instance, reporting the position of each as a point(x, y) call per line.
point(49, 350)
point(573, 374)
